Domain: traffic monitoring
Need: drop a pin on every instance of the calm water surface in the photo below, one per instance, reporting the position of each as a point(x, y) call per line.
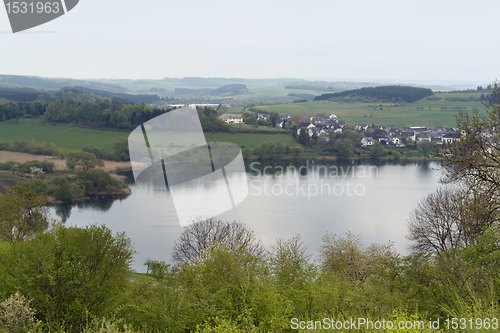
point(373, 201)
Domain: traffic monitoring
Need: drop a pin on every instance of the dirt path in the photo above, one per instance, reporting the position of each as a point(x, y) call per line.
point(6, 156)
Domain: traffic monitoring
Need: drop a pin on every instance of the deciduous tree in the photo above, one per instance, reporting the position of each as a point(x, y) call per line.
point(201, 234)
point(22, 213)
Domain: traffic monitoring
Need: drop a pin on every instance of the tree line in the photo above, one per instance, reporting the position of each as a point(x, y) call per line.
point(398, 93)
point(102, 113)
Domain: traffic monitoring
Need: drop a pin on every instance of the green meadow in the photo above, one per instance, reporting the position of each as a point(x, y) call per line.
point(439, 109)
point(66, 137)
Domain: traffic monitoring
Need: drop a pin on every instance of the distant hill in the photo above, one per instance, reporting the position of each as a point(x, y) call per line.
point(215, 82)
point(398, 93)
point(208, 82)
point(50, 83)
point(307, 97)
point(124, 98)
point(79, 94)
point(328, 86)
point(188, 91)
point(226, 90)
point(231, 89)
point(20, 96)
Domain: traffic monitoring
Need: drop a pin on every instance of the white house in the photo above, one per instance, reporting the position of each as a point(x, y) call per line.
point(367, 141)
point(233, 120)
point(449, 138)
point(361, 127)
point(396, 141)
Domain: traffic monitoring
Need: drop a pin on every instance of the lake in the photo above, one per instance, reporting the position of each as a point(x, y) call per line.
point(372, 200)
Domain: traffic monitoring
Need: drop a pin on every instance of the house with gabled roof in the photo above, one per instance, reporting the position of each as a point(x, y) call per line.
point(367, 141)
point(423, 137)
point(451, 137)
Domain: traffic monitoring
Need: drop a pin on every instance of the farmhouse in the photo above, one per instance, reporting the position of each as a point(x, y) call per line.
point(233, 120)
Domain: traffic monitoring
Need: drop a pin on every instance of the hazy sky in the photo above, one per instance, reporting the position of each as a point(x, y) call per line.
point(359, 40)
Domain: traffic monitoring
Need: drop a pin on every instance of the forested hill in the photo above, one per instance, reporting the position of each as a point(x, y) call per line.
point(124, 98)
point(19, 81)
point(227, 90)
point(398, 93)
point(79, 94)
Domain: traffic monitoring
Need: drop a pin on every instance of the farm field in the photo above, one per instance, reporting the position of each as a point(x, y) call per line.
point(70, 138)
point(65, 137)
point(438, 109)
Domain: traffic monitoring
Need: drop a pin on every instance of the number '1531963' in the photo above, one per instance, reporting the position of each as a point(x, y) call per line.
point(16, 7)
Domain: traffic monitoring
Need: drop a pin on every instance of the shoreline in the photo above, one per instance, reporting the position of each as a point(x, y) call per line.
point(124, 193)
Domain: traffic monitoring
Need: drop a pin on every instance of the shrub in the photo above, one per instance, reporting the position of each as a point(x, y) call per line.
point(16, 314)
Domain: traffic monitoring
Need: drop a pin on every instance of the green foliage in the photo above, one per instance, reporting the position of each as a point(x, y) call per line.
point(231, 89)
point(304, 138)
point(400, 93)
point(234, 285)
point(63, 191)
point(101, 113)
point(344, 148)
point(22, 214)
point(72, 274)
point(378, 150)
point(120, 150)
point(210, 122)
point(72, 159)
point(249, 118)
point(83, 159)
point(221, 326)
point(31, 147)
point(84, 183)
point(98, 181)
point(396, 155)
point(297, 150)
point(45, 166)
point(425, 147)
point(87, 161)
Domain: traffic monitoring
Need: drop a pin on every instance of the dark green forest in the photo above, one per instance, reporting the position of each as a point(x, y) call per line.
point(74, 93)
point(101, 113)
point(389, 93)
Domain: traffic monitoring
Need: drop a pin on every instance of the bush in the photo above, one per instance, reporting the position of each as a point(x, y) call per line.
point(98, 181)
point(31, 147)
point(72, 274)
point(15, 314)
point(45, 166)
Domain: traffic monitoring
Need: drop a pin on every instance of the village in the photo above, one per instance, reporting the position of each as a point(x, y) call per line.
point(321, 125)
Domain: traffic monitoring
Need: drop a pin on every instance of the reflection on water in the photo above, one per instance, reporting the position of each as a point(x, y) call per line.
point(284, 199)
point(100, 204)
